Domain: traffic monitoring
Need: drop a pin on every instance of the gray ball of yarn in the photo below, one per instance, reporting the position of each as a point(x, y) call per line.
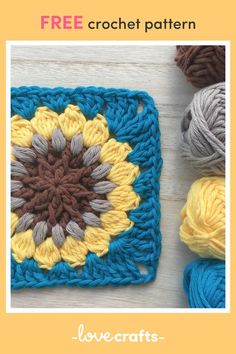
point(203, 130)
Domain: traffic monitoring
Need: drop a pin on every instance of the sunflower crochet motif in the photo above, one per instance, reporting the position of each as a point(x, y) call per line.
point(85, 166)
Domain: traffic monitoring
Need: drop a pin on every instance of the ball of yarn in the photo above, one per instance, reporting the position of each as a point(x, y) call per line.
point(202, 65)
point(203, 218)
point(204, 283)
point(203, 131)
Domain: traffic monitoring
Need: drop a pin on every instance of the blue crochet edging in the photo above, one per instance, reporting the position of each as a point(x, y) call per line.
point(132, 117)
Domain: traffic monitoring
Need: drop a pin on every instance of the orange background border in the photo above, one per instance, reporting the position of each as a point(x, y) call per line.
point(45, 333)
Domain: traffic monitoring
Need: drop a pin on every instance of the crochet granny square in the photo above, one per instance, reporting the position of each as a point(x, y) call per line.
point(85, 168)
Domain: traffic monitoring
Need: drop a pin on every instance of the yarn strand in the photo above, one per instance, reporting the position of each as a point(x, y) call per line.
point(203, 131)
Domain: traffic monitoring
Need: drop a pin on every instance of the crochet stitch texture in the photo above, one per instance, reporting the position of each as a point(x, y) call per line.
point(85, 171)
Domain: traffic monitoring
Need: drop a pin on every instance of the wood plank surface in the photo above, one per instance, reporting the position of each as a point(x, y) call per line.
point(149, 68)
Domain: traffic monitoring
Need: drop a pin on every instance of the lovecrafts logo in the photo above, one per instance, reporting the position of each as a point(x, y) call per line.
point(84, 336)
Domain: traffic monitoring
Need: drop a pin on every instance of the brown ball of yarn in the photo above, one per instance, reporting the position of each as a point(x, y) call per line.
point(203, 65)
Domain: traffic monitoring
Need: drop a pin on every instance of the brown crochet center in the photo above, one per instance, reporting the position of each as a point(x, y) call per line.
point(58, 188)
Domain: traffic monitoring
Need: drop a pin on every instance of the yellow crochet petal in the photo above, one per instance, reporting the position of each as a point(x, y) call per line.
point(114, 152)
point(47, 254)
point(123, 173)
point(14, 222)
point(23, 245)
point(123, 198)
point(44, 122)
point(95, 131)
point(72, 121)
point(74, 252)
point(115, 222)
point(12, 155)
point(21, 131)
point(97, 240)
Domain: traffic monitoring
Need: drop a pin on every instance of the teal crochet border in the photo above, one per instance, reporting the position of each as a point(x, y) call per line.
point(132, 117)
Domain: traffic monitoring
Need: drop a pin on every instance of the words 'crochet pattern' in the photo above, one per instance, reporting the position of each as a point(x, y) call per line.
point(85, 168)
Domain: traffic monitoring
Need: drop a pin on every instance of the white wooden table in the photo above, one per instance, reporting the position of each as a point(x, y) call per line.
point(149, 68)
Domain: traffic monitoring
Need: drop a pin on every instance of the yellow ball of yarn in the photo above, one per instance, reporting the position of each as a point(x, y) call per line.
point(203, 218)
